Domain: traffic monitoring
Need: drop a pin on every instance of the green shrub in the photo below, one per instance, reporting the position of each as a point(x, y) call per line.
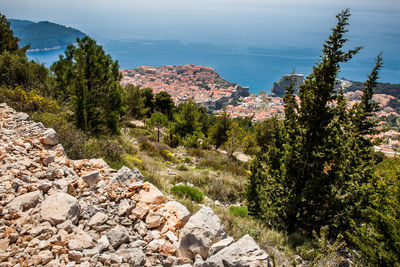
point(27, 101)
point(132, 162)
point(148, 146)
point(182, 168)
point(167, 155)
point(107, 148)
point(195, 152)
point(162, 146)
point(226, 189)
point(187, 160)
point(190, 140)
point(226, 166)
point(188, 191)
point(238, 211)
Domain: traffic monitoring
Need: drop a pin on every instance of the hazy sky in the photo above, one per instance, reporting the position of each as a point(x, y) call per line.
point(266, 23)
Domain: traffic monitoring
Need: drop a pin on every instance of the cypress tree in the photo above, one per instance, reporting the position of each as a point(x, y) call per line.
point(316, 169)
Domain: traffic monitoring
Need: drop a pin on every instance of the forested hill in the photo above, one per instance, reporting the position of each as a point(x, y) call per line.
point(44, 34)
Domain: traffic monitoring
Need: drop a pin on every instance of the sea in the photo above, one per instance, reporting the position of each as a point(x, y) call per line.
point(252, 66)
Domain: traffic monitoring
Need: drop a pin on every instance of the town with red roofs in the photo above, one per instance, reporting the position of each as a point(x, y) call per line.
point(207, 88)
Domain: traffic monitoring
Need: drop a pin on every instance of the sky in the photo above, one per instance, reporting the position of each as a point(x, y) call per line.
point(240, 23)
point(247, 22)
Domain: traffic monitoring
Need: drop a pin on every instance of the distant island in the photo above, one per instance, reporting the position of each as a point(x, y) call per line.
point(44, 35)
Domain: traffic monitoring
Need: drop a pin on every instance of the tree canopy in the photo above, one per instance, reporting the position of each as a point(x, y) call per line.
point(317, 165)
point(89, 78)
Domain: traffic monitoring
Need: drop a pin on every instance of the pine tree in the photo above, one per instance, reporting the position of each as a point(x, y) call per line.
point(8, 42)
point(313, 172)
point(187, 122)
point(134, 102)
point(148, 96)
point(163, 103)
point(219, 132)
point(90, 80)
point(158, 120)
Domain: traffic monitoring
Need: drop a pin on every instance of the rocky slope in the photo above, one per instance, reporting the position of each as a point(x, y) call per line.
point(202, 84)
point(60, 212)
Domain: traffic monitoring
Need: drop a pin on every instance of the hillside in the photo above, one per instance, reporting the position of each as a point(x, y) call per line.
point(381, 88)
point(60, 212)
point(44, 34)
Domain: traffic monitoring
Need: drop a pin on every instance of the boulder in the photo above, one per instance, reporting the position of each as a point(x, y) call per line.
point(124, 207)
point(117, 236)
point(126, 176)
point(154, 219)
point(180, 212)
point(151, 195)
point(45, 256)
point(24, 202)
point(134, 256)
point(80, 241)
point(140, 210)
point(50, 137)
point(220, 245)
point(60, 207)
point(91, 178)
point(201, 231)
point(103, 243)
point(98, 219)
point(245, 252)
point(75, 255)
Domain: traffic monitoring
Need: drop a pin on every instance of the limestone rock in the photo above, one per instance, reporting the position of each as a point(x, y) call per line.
point(103, 243)
point(24, 202)
point(180, 212)
point(117, 236)
point(59, 207)
point(50, 137)
point(154, 219)
point(66, 226)
point(220, 245)
point(75, 255)
point(245, 252)
point(201, 231)
point(198, 261)
point(151, 195)
point(140, 210)
point(126, 176)
point(80, 241)
point(98, 219)
point(91, 178)
point(124, 208)
point(45, 256)
point(134, 256)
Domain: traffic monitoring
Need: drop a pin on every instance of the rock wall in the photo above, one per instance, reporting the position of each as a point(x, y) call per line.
point(60, 212)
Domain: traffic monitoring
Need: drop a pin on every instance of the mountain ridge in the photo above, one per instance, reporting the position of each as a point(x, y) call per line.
point(44, 35)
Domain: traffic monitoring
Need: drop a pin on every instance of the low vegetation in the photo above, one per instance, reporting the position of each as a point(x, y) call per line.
point(188, 192)
point(313, 188)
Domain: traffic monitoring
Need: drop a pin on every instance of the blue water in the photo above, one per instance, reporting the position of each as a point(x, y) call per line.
point(256, 67)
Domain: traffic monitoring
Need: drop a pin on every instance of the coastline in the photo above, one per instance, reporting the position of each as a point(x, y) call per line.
point(45, 49)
